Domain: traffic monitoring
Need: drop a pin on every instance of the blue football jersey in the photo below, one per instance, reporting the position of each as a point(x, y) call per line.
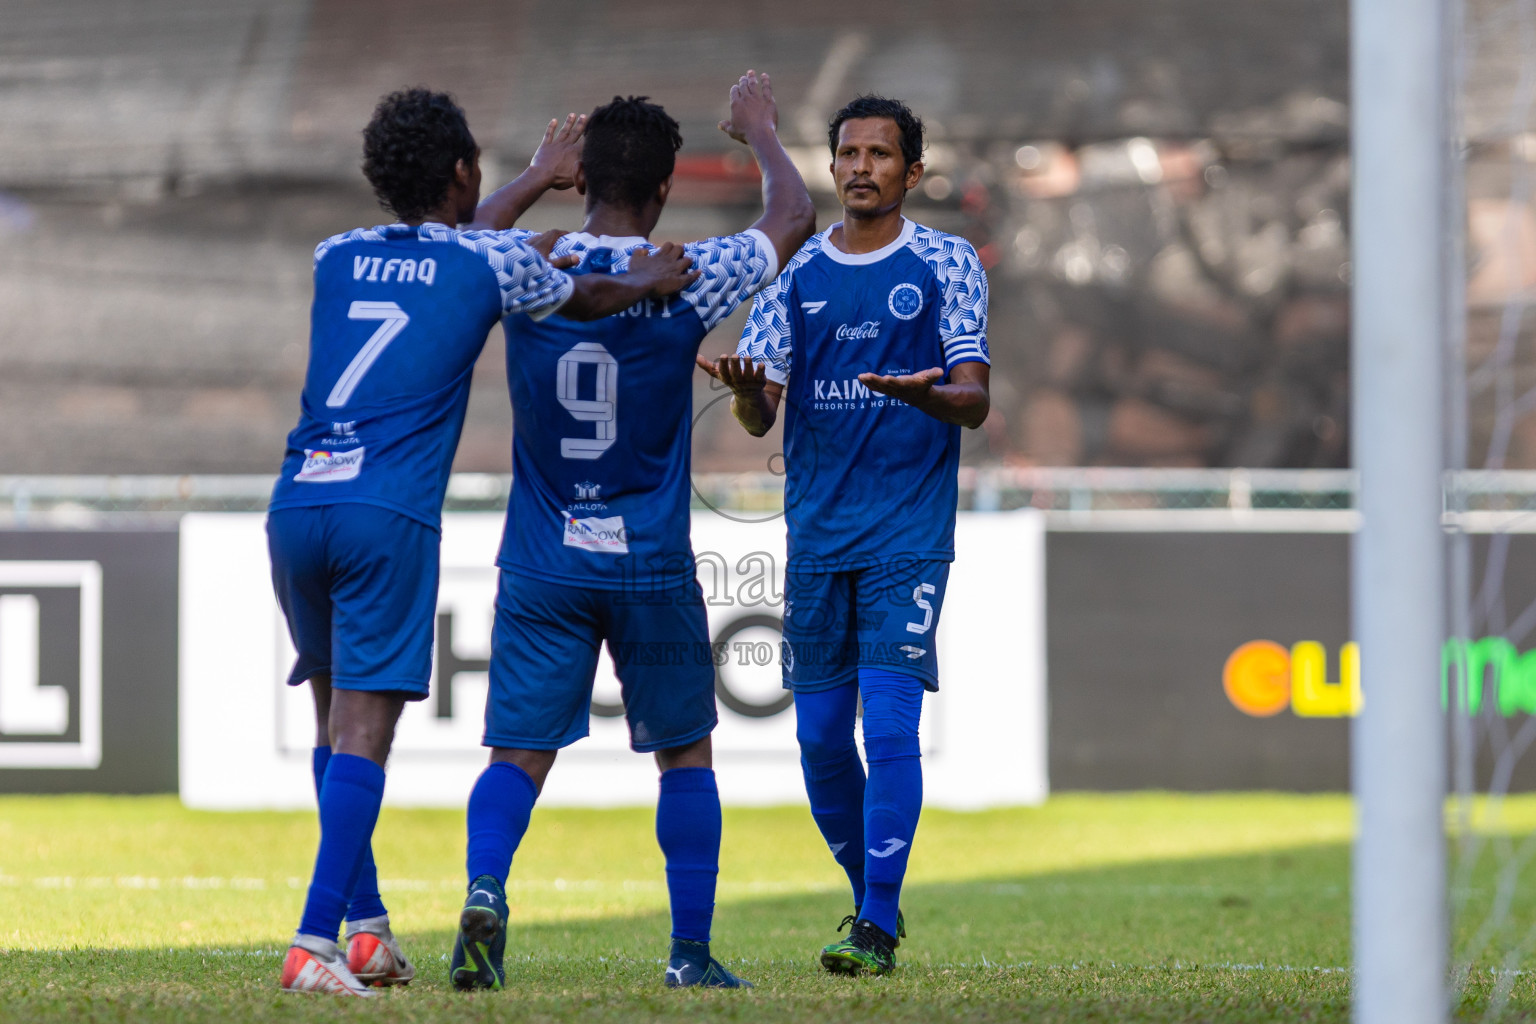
point(602, 421)
point(399, 317)
point(868, 477)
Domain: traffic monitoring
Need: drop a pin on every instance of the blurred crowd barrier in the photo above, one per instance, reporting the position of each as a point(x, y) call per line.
point(1065, 494)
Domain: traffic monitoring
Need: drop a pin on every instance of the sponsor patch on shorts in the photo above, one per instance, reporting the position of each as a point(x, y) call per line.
point(326, 467)
point(605, 535)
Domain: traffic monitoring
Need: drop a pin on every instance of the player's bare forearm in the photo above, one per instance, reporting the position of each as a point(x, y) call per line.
point(553, 166)
point(598, 295)
point(965, 400)
point(654, 273)
point(503, 208)
point(789, 216)
point(757, 411)
point(965, 404)
point(754, 398)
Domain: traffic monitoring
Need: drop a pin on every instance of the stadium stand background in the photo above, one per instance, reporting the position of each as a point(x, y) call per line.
point(1160, 193)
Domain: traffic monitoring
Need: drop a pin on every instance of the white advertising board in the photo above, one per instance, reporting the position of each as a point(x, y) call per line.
point(245, 737)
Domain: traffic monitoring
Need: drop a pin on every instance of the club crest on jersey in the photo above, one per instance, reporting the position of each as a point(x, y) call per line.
point(607, 536)
point(906, 301)
point(327, 467)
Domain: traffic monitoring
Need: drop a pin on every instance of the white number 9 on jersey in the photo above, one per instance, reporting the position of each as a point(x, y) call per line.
point(601, 410)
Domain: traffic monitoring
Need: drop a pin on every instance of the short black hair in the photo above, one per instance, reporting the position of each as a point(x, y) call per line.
point(908, 124)
point(410, 149)
point(630, 149)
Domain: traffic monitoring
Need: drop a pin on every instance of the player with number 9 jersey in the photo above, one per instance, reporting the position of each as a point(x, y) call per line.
point(596, 548)
point(603, 420)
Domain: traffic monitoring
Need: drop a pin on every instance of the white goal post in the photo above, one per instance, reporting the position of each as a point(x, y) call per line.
point(1399, 105)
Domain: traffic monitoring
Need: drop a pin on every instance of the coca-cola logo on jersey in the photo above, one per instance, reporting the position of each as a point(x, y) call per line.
point(865, 331)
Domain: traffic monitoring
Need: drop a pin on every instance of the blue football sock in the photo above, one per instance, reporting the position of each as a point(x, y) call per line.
point(349, 808)
point(894, 797)
point(365, 901)
point(499, 808)
point(317, 762)
point(688, 831)
point(834, 776)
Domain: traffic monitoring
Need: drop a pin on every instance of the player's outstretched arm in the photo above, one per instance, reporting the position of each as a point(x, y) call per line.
point(652, 273)
point(788, 217)
point(964, 400)
point(754, 398)
point(553, 167)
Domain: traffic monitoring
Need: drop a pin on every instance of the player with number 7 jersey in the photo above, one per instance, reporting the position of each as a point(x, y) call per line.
point(400, 315)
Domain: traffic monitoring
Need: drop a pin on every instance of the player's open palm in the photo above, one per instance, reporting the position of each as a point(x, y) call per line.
point(739, 373)
point(909, 387)
point(561, 148)
point(752, 107)
point(667, 269)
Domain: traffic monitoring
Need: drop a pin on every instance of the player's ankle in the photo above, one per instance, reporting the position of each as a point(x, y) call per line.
point(319, 945)
point(692, 949)
point(372, 925)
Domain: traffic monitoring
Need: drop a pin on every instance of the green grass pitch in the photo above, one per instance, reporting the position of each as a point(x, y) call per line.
point(1149, 907)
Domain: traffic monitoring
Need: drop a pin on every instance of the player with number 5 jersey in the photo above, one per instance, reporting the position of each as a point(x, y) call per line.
point(596, 546)
point(400, 315)
point(875, 338)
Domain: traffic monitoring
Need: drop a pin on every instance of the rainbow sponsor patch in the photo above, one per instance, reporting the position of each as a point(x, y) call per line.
point(607, 536)
point(325, 467)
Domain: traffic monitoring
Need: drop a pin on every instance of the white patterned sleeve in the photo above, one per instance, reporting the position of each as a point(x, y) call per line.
point(766, 338)
point(357, 234)
point(731, 270)
point(963, 323)
point(528, 283)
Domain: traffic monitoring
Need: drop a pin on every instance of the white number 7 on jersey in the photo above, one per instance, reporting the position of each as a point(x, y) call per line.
point(394, 319)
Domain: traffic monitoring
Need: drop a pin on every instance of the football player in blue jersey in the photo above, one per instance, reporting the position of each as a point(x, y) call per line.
point(400, 314)
point(596, 545)
point(874, 339)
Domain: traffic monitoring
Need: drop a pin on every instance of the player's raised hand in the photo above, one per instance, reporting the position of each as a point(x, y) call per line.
point(752, 107)
point(557, 154)
point(668, 269)
point(909, 387)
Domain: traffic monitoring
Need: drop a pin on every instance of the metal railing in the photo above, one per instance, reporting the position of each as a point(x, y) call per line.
point(1067, 493)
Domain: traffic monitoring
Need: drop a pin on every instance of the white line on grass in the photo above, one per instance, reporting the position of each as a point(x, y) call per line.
point(985, 964)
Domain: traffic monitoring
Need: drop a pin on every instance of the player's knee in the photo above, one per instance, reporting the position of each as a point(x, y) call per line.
point(535, 763)
point(893, 704)
point(698, 754)
point(823, 741)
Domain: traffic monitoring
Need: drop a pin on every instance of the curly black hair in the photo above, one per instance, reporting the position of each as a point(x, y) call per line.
point(410, 149)
point(630, 149)
point(907, 123)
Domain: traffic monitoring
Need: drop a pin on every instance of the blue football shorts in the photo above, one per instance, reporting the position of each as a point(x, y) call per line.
point(884, 616)
point(544, 654)
point(358, 586)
